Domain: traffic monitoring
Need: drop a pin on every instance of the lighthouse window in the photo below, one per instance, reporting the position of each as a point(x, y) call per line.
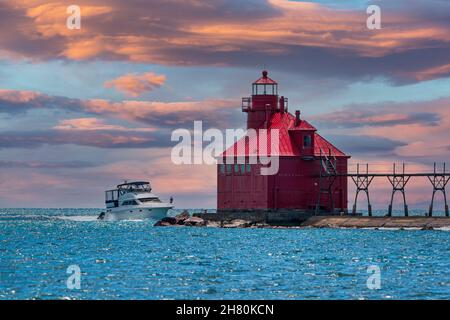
point(236, 168)
point(222, 168)
point(249, 168)
point(306, 141)
point(229, 168)
point(265, 89)
point(243, 168)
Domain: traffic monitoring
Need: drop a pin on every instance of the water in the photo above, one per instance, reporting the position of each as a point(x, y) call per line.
point(134, 260)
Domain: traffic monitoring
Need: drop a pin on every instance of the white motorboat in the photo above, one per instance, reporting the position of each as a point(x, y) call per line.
point(134, 201)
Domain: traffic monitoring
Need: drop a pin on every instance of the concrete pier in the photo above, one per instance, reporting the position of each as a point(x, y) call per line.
point(279, 217)
point(377, 222)
point(307, 219)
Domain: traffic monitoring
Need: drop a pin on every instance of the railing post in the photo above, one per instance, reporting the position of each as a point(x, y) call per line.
point(439, 182)
point(362, 182)
point(398, 182)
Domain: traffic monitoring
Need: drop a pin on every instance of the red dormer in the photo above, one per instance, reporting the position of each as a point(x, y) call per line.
point(303, 135)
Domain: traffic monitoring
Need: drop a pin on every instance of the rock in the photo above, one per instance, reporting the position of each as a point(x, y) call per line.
point(158, 224)
point(427, 228)
point(237, 223)
point(213, 224)
point(162, 224)
point(260, 225)
point(195, 222)
point(171, 220)
point(166, 221)
point(182, 217)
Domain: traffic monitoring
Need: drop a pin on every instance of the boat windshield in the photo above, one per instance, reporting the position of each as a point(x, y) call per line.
point(153, 199)
point(137, 187)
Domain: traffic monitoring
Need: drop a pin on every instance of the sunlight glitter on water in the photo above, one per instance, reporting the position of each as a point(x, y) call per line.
point(134, 260)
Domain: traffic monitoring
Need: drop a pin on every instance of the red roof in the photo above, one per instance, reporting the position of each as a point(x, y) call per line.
point(285, 123)
point(265, 79)
point(320, 143)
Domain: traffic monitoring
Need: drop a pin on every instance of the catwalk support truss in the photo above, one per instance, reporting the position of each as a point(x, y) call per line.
point(363, 180)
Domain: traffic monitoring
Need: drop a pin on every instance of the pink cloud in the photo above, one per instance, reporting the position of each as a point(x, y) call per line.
point(155, 113)
point(422, 128)
point(136, 84)
point(18, 96)
point(194, 184)
point(423, 140)
point(193, 33)
point(47, 15)
point(428, 73)
point(190, 179)
point(94, 124)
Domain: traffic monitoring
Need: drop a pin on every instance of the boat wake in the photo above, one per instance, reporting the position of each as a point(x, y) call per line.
point(24, 217)
point(77, 218)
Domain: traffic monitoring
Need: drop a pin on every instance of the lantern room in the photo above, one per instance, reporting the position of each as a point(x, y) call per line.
point(264, 86)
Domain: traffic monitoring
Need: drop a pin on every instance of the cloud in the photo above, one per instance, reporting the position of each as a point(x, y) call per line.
point(136, 84)
point(310, 38)
point(428, 73)
point(58, 187)
point(160, 119)
point(354, 117)
point(91, 138)
point(94, 124)
point(414, 131)
point(47, 16)
point(359, 144)
point(21, 101)
point(214, 112)
point(404, 129)
point(46, 165)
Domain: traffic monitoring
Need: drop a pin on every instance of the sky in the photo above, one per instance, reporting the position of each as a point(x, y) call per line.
point(81, 110)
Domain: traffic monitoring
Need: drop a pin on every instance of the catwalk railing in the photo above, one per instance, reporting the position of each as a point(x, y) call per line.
point(398, 179)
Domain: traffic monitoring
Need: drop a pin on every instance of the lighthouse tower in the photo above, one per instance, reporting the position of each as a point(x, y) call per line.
point(263, 103)
point(302, 154)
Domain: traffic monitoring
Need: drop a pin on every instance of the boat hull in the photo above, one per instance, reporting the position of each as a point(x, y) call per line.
point(136, 214)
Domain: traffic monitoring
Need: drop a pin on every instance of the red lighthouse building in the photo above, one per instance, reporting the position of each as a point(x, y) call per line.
point(308, 165)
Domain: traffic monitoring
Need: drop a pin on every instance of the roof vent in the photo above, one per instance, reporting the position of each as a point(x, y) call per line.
point(297, 117)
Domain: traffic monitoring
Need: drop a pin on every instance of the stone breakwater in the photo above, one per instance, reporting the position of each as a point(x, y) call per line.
point(184, 219)
point(423, 223)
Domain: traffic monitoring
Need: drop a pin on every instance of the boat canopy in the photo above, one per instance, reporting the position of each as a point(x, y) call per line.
point(136, 186)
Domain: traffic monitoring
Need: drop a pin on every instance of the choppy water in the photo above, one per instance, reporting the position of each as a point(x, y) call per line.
point(134, 260)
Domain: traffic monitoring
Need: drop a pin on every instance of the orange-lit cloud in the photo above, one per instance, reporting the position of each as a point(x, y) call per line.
point(169, 113)
point(48, 17)
point(94, 124)
point(154, 113)
point(190, 178)
point(294, 35)
point(194, 183)
point(429, 73)
point(18, 96)
point(421, 127)
point(136, 84)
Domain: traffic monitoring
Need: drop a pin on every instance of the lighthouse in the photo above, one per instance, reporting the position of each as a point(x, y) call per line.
point(311, 170)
